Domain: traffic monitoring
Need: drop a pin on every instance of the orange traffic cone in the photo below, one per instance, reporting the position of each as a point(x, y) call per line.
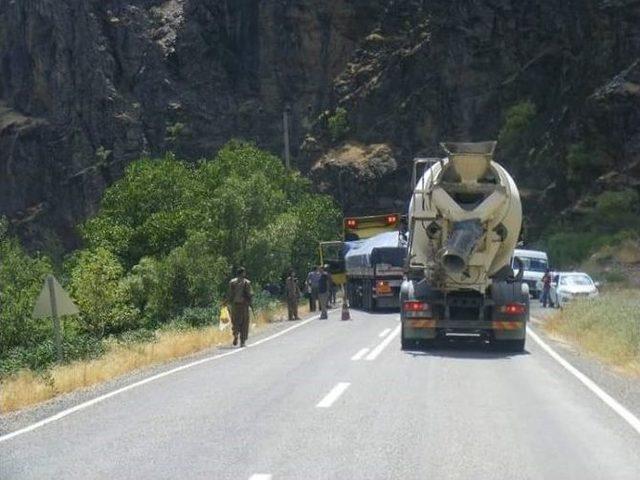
point(345, 310)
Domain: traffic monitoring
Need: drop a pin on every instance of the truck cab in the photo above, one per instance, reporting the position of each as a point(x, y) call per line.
point(535, 263)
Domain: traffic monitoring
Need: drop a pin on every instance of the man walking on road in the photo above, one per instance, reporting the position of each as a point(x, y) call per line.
point(292, 291)
point(324, 284)
point(312, 287)
point(239, 297)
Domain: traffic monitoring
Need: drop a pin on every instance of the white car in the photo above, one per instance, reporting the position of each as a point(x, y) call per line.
point(566, 286)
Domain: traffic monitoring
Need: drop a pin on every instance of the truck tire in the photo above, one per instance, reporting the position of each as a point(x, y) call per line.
point(404, 343)
point(429, 344)
point(513, 346)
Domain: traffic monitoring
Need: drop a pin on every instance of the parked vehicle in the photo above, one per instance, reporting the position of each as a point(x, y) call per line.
point(535, 263)
point(567, 286)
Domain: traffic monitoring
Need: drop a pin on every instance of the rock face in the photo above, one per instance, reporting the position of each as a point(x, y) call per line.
point(361, 176)
point(86, 86)
point(433, 71)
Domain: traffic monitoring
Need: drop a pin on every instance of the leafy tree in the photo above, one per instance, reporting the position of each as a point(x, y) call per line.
point(518, 120)
point(179, 229)
point(145, 213)
point(584, 162)
point(338, 124)
point(21, 279)
point(617, 210)
point(96, 284)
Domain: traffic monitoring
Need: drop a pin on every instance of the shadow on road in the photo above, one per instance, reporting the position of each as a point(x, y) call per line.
point(463, 349)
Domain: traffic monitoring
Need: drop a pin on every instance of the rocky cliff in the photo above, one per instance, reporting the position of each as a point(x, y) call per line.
point(556, 82)
point(86, 86)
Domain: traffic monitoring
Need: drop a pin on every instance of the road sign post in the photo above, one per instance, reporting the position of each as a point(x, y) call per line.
point(54, 302)
point(57, 330)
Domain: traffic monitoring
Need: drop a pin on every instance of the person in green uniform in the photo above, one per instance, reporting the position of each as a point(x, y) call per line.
point(239, 297)
point(292, 291)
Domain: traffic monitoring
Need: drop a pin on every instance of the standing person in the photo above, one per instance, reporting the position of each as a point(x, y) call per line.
point(546, 289)
point(239, 297)
point(312, 287)
point(324, 284)
point(292, 291)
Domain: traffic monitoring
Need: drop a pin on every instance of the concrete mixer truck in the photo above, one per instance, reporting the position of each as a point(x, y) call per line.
point(464, 221)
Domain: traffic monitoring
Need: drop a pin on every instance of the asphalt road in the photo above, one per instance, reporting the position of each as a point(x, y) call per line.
point(313, 404)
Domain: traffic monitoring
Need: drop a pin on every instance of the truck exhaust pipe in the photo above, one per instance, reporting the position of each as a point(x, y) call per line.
point(460, 245)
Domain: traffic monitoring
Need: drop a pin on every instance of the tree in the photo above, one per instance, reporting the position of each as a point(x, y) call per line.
point(21, 279)
point(96, 284)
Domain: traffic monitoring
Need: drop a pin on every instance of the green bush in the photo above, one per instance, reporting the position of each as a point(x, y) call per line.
point(40, 356)
point(338, 124)
point(97, 287)
point(190, 276)
point(617, 210)
point(584, 162)
point(242, 207)
point(21, 279)
point(160, 251)
point(199, 316)
point(518, 121)
point(146, 213)
point(570, 249)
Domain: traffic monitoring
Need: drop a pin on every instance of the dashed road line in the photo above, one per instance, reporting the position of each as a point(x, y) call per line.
point(388, 339)
point(261, 476)
point(384, 332)
point(360, 354)
point(333, 395)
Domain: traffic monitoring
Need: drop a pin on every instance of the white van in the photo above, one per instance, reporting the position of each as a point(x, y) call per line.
point(535, 263)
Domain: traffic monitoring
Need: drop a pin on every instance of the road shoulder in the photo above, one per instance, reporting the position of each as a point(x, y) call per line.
point(13, 421)
point(625, 389)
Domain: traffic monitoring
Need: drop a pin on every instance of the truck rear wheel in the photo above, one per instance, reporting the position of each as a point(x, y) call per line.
point(514, 346)
point(405, 344)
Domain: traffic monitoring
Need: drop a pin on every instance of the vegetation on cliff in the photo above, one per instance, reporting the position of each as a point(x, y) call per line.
point(161, 249)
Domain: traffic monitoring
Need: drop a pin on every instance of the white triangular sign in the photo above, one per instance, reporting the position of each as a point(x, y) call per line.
point(64, 304)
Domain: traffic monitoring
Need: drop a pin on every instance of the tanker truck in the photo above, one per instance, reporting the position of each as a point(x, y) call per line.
point(464, 221)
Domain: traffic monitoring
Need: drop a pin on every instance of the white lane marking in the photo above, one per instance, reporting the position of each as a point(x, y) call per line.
point(101, 398)
point(384, 332)
point(261, 476)
point(629, 417)
point(333, 395)
point(376, 351)
point(360, 354)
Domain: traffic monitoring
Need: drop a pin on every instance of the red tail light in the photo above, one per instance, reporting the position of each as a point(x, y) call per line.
point(392, 219)
point(415, 306)
point(414, 309)
point(351, 223)
point(513, 309)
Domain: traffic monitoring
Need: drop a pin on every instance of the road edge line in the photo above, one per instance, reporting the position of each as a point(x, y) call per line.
point(611, 402)
point(139, 383)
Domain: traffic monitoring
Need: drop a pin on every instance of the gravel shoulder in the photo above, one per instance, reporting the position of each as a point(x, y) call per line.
point(12, 421)
point(624, 388)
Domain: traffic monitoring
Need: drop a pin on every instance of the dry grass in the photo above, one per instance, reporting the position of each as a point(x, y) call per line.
point(27, 388)
point(607, 327)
